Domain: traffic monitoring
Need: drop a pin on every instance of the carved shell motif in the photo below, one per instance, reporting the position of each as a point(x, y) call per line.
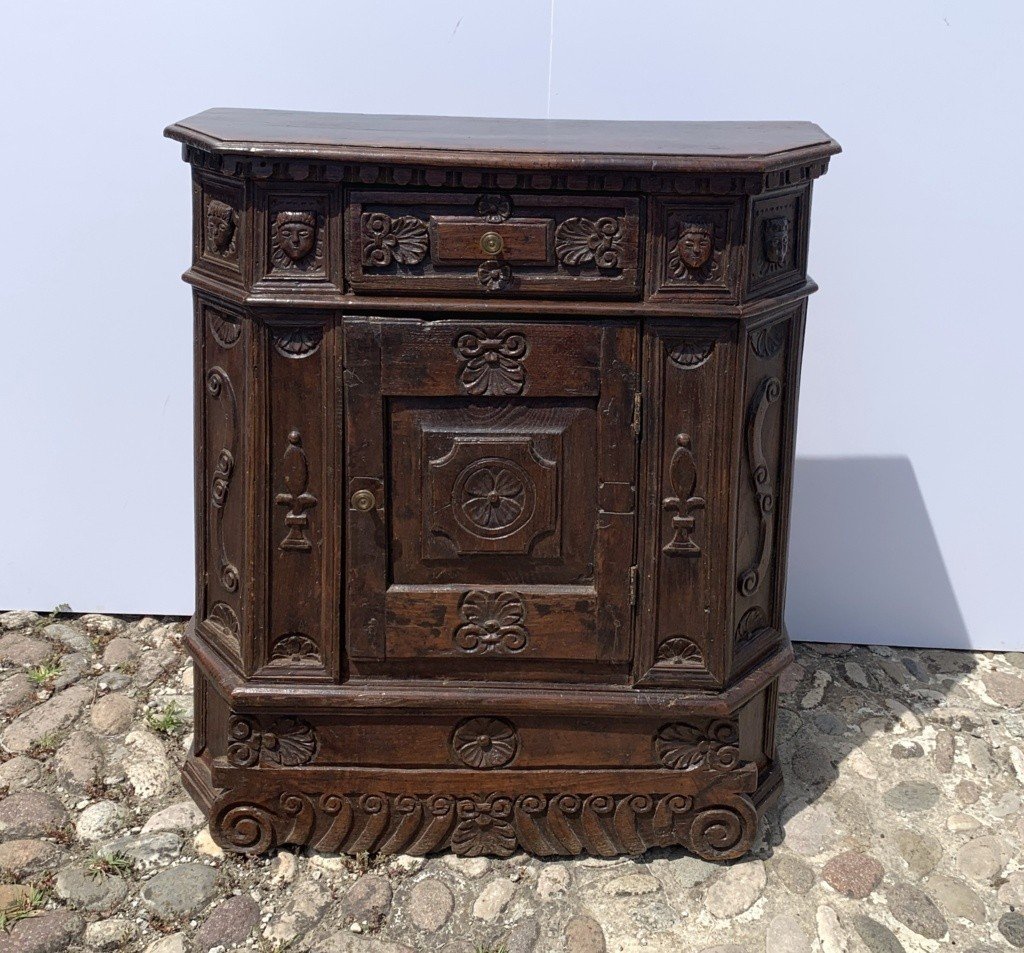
point(585, 241)
point(386, 240)
point(492, 362)
point(679, 651)
point(484, 827)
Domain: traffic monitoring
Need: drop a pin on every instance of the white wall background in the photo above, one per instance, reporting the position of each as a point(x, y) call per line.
point(908, 513)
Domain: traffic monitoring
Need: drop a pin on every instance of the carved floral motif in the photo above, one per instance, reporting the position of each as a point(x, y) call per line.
point(484, 827)
point(484, 742)
point(402, 239)
point(287, 742)
point(491, 363)
point(493, 494)
point(585, 241)
point(494, 275)
point(494, 208)
point(298, 499)
point(226, 329)
point(679, 651)
point(753, 622)
point(684, 746)
point(491, 622)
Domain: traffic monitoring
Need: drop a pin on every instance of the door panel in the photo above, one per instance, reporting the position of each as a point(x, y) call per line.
point(491, 478)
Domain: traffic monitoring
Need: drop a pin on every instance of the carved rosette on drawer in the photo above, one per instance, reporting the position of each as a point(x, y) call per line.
point(493, 243)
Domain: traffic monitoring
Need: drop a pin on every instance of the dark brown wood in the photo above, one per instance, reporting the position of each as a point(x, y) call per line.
point(494, 443)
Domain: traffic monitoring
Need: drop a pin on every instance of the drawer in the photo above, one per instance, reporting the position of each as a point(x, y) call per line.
point(503, 244)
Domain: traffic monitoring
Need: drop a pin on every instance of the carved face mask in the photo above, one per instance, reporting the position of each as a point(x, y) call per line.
point(776, 240)
point(295, 233)
point(220, 225)
point(695, 244)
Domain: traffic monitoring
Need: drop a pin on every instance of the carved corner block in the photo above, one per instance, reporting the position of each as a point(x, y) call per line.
point(220, 222)
point(696, 248)
point(778, 241)
point(299, 240)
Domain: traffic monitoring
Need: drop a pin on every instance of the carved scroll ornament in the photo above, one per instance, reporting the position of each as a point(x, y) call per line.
point(585, 241)
point(768, 392)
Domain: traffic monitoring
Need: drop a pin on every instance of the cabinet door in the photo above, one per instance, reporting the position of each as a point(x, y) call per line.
point(491, 474)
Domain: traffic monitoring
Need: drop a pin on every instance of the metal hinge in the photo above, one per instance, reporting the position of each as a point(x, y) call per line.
point(637, 402)
point(634, 585)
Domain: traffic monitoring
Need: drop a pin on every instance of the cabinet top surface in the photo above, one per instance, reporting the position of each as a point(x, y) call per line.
point(460, 140)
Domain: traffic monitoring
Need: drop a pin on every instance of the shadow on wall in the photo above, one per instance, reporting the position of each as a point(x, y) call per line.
point(864, 562)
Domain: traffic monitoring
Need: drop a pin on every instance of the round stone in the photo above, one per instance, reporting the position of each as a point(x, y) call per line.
point(584, 935)
point(906, 750)
point(915, 909)
point(797, 875)
point(84, 889)
point(737, 890)
point(1004, 688)
point(31, 814)
point(493, 899)
point(112, 714)
point(553, 881)
point(1011, 925)
point(877, 937)
point(101, 820)
point(910, 797)
point(430, 904)
point(25, 857)
point(853, 874)
point(180, 892)
point(955, 898)
point(785, 934)
point(922, 852)
point(367, 901)
point(229, 925)
point(981, 859)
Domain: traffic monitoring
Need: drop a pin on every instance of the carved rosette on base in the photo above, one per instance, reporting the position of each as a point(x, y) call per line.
point(709, 813)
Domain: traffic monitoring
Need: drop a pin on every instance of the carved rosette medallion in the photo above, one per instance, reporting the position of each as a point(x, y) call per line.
point(287, 742)
point(296, 241)
point(491, 362)
point(684, 746)
point(491, 622)
point(585, 241)
point(679, 651)
point(298, 499)
point(484, 742)
point(682, 472)
point(494, 208)
point(221, 230)
point(296, 342)
point(493, 497)
point(386, 240)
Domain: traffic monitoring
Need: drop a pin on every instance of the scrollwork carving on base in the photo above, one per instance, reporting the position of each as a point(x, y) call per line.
point(716, 823)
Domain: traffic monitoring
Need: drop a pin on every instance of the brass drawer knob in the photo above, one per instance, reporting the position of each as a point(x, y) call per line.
point(491, 243)
point(363, 500)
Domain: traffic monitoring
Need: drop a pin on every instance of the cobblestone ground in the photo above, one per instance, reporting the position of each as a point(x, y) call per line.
point(901, 826)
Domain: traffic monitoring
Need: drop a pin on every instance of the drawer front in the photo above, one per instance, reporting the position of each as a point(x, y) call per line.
point(468, 243)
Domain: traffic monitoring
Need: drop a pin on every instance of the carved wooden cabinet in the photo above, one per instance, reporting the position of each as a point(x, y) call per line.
point(494, 446)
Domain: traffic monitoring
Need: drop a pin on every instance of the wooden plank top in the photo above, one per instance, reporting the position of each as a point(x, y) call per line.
point(641, 146)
